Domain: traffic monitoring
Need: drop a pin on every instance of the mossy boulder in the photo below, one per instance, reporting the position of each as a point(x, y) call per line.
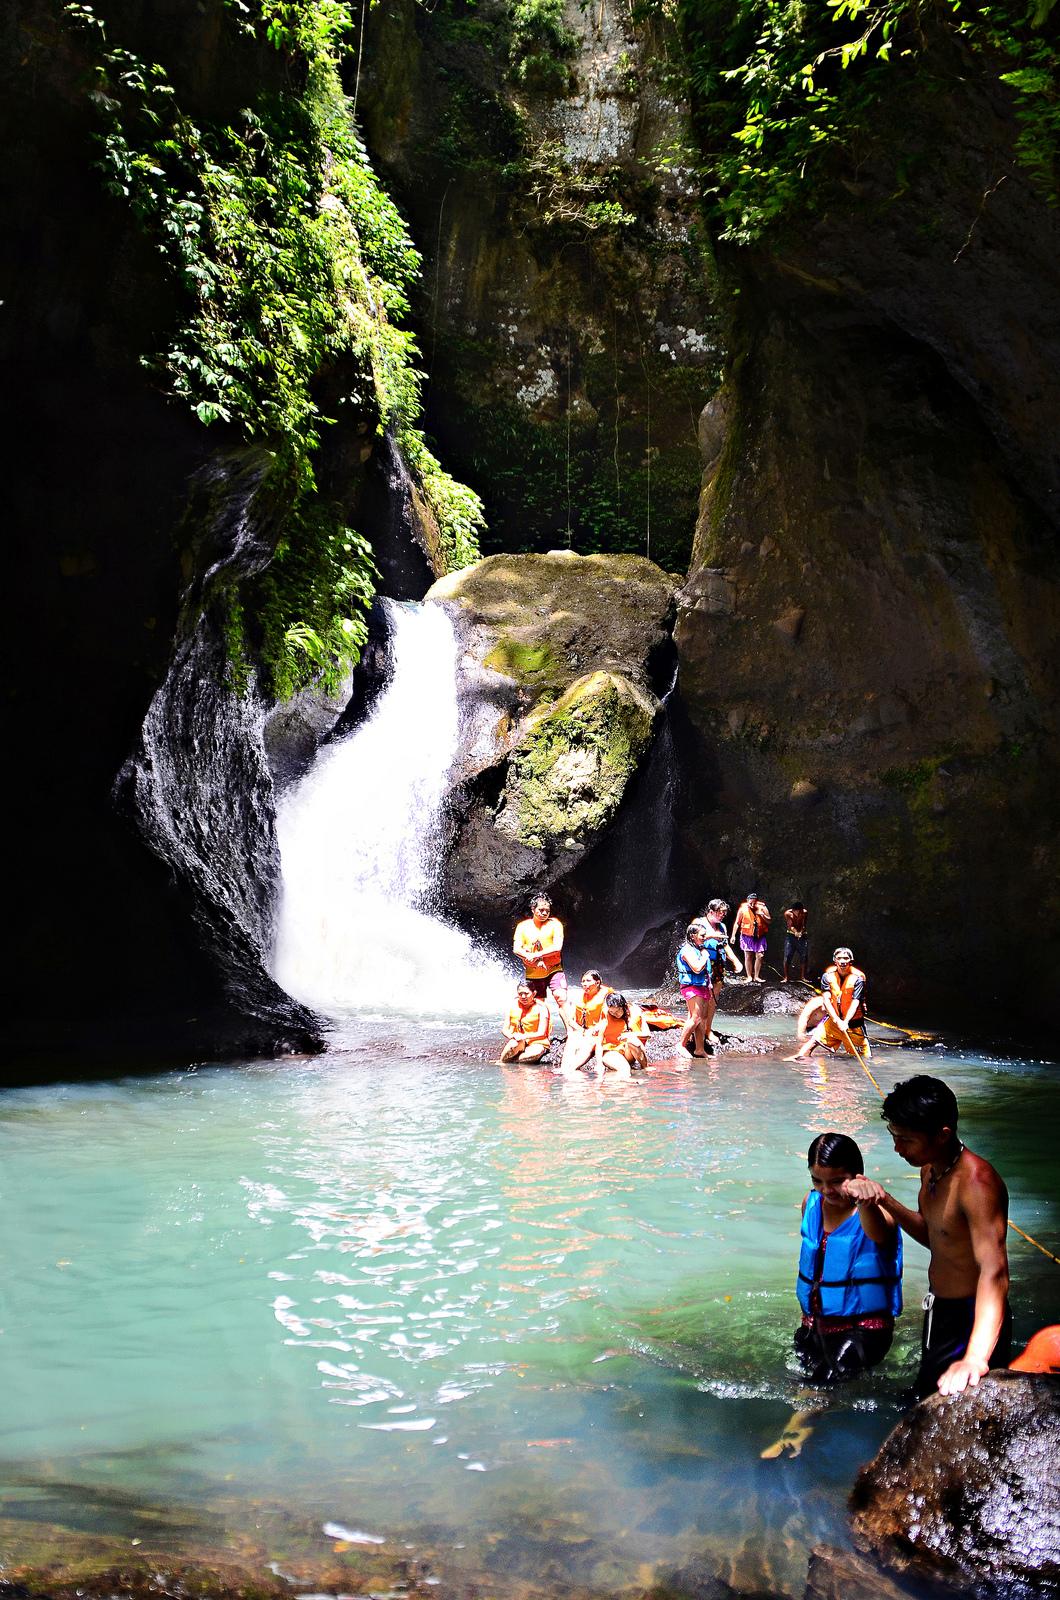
point(569, 772)
point(565, 660)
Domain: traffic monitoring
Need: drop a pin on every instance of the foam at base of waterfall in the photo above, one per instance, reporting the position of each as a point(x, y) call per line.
point(359, 838)
point(390, 955)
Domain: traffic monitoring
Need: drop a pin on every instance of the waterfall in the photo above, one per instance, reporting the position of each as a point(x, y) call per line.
point(359, 840)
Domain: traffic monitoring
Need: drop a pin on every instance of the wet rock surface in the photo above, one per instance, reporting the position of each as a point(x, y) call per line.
point(966, 1491)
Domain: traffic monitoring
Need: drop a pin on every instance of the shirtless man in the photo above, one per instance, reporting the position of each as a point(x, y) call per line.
point(961, 1216)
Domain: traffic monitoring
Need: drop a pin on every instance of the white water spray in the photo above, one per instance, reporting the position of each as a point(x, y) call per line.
point(359, 843)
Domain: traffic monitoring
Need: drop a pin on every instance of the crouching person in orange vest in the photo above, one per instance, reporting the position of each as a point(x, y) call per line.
point(843, 996)
point(528, 1028)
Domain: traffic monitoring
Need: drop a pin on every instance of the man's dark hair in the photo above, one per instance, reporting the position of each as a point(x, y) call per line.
point(836, 1150)
point(926, 1105)
point(796, 905)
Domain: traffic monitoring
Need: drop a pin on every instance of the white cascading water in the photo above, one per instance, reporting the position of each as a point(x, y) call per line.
point(358, 840)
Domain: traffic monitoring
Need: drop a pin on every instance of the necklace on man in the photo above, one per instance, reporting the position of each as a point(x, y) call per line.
point(934, 1180)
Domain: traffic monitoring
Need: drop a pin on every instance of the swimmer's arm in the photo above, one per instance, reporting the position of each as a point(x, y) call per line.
point(873, 1205)
point(556, 934)
point(704, 957)
point(985, 1205)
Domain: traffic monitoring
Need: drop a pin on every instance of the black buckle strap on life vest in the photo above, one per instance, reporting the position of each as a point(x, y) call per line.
point(841, 1283)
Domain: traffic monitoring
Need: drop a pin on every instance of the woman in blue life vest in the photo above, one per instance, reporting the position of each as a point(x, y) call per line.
point(850, 1268)
point(693, 975)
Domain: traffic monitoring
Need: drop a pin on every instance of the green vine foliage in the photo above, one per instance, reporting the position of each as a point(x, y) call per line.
point(782, 88)
point(290, 259)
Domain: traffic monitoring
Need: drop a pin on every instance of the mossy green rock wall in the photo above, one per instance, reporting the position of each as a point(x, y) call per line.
point(564, 660)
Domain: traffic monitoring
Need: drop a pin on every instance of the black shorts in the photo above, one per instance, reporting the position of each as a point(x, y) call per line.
point(827, 1357)
point(795, 948)
point(944, 1339)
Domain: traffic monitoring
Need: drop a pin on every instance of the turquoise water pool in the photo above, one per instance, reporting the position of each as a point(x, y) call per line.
point(395, 1291)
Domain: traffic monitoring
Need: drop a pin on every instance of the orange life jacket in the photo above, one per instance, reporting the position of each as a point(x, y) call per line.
point(613, 1029)
point(840, 993)
point(753, 923)
point(536, 1020)
point(656, 1017)
point(587, 1013)
point(1042, 1353)
point(542, 945)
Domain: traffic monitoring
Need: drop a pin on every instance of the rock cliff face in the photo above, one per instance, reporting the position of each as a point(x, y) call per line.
point(565, 658)
point(572, 334)
point(867, 632)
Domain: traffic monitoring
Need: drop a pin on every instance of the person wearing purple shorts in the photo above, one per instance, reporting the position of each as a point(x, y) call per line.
point(752, 926)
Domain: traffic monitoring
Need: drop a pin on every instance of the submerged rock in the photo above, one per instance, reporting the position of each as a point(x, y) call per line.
point(565, 659)
point(966, 1491)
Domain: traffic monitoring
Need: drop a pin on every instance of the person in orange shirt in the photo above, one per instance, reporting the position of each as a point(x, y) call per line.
point(843, 997)
point(581, 1014)
point(619, 1038)
point(752, 928)
point(538, 943)
point(528, 1028)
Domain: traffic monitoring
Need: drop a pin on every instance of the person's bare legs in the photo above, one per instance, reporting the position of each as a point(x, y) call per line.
point(759, 958)
point(710, 1008)
point(577, 1051)
point(535, 1052)
point(511, 1051)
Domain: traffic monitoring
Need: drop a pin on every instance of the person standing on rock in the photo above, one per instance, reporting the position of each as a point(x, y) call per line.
point(693, 976)
point(962, 1218)
point(796, 941)
point(539, 945)
point(752, 928)
point(716, 944)
point(719, 946)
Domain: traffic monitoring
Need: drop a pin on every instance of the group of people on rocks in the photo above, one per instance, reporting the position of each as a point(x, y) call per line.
point(605, 1031)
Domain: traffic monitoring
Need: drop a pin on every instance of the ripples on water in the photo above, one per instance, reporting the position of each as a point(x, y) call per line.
point(427, 1294)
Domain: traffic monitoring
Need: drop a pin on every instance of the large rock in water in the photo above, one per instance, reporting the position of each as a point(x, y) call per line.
point(564, 660)
point(966, 1491)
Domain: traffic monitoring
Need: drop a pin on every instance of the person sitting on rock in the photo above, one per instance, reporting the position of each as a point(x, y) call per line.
point(962, 1218)
point(752, 927)
point(582, 1013)
point(528, 1028)
point(796, 941)
point(618, 1038)
point(850, 1267)
point(843, 996)
point(538, 944)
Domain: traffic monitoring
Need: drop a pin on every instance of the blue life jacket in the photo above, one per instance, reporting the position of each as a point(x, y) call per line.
point(860, 1278)
point(714, 944)
point(685, 975)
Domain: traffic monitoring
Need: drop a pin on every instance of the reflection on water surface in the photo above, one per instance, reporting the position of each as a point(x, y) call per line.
point(431, 1301)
